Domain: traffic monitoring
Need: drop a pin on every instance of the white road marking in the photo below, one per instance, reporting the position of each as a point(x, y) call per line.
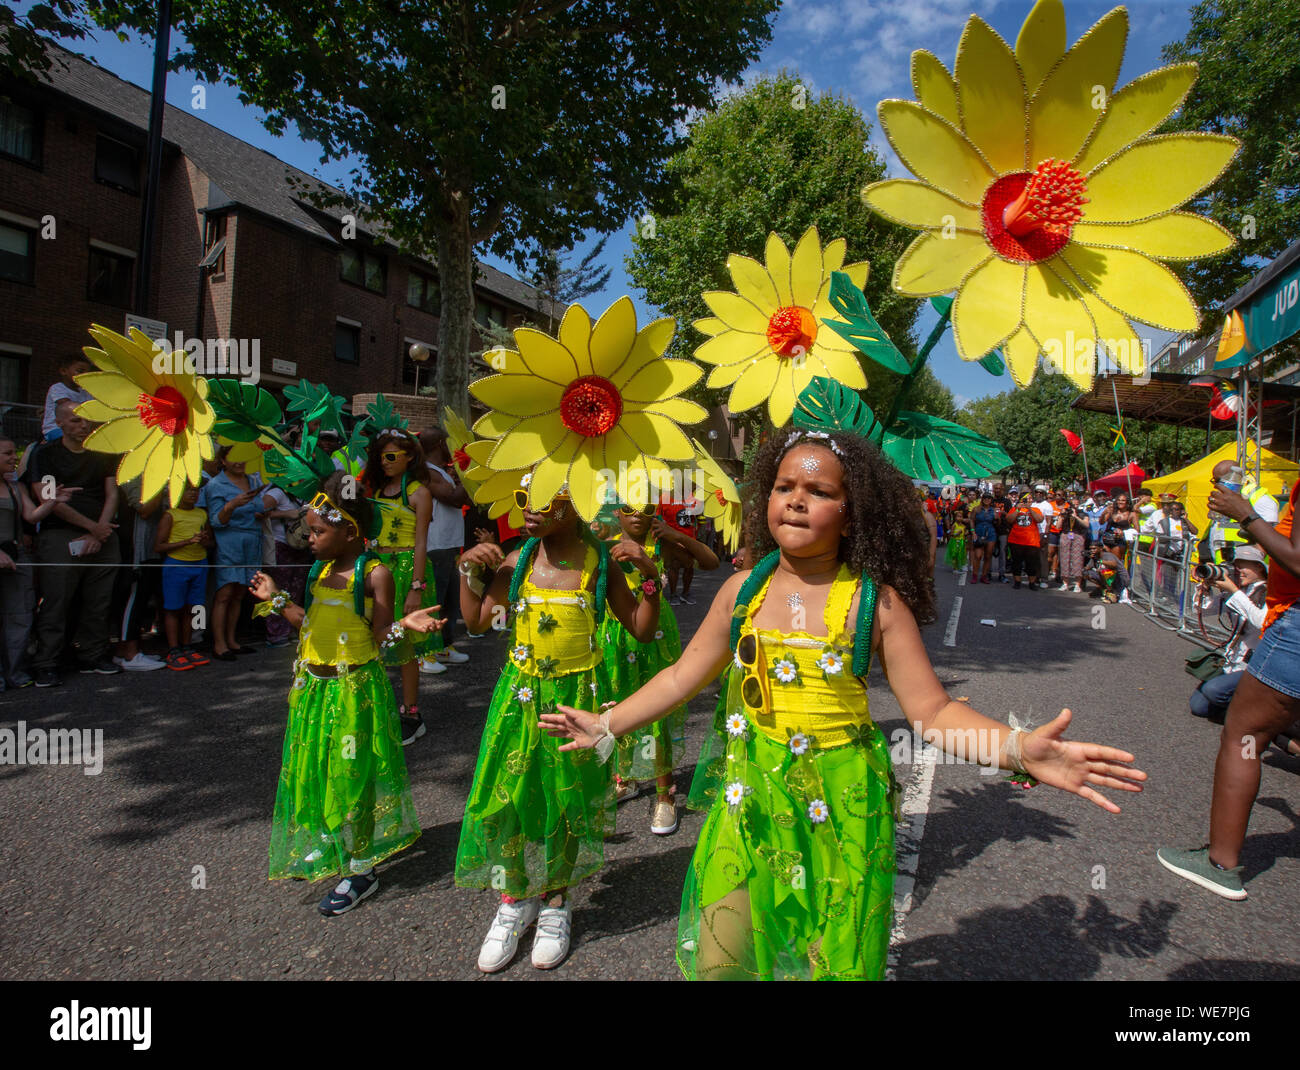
point(907, 844)
point(950, 633)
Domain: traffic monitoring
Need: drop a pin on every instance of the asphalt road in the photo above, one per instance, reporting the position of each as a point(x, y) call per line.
point(100, 875)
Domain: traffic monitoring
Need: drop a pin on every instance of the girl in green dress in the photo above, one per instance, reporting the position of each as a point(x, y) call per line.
point(535, 820)
point(793, 873)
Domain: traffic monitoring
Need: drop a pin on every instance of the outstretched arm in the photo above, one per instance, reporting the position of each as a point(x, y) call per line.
point(961, 731)
point(704, 557)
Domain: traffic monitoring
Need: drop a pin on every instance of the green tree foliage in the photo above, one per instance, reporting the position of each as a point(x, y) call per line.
point(773, 158)
point(22, 34)
point(559, 283)
point(1249, 55)
point(504, 124)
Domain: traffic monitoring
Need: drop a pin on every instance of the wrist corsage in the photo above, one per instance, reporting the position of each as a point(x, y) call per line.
point(395, 634)
point(653, 585)
point(605, 742)
point(277, 603)
point(1012, 753)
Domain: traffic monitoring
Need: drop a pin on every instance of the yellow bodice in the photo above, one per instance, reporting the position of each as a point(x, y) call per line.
point(555, 631)
point(398, 520)
point(810, 678)
point(333, 634)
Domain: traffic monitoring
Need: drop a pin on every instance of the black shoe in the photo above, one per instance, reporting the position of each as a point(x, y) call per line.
point(1016, 587)
point(348, 893)
point(412, 729)
point(48, 678)
point(104, 666)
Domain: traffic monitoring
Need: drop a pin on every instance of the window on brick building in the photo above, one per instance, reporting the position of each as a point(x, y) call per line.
point(12, 372)
point(20, 132)
point(361, 267)
point(17, 245)
point(487, 314)
point(117, 164)
point(214, 234)
point(422, 292)
point(347, 342)
point(110, 277)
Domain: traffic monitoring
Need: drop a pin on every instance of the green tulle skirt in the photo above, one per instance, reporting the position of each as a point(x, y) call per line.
point(955, 555)
point(343, 802)
point(402, 566)
point(535, 820)
point(774, 894)
point(652, 750)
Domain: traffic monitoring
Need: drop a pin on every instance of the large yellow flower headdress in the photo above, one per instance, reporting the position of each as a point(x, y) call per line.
point(721, 498)
point(597, 402)
point(767, 339)
point(152, 410)
point(1044, 200)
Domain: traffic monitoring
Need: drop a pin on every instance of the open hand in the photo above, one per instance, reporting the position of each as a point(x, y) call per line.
point(263, 587)
point(580, 727)
point(488, 554)
point(1074, 767)
point(423, 620)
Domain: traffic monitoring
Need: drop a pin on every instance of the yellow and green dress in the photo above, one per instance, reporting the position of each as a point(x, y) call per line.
point(793, 875)
point(397, 528)
point(536, 819)
point(343, 802)
point(650, 752)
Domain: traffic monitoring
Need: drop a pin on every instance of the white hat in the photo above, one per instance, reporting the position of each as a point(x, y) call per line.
point(1042, 487)
point(1249, 552)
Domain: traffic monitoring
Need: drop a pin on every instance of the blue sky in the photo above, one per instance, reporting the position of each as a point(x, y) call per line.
point(858, 49)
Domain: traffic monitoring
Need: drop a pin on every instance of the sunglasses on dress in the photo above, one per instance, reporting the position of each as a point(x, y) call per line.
point(754, 689)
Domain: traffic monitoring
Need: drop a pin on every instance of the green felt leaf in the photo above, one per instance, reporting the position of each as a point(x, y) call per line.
point(381, 415)
point(295, 476)
point(315, 402)
point(244, 411)
point(828, 405)
point(862, 330)
point(926, 447)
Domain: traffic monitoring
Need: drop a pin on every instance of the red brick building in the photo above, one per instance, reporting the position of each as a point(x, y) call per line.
point(241, 254)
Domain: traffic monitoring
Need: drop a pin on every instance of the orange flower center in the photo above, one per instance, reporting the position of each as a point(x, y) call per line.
point(1029, 216)
point(265, 447)
point(166, 409)
point(590, 406)
point(462, 460)
point(791, 331)
point(718, 494)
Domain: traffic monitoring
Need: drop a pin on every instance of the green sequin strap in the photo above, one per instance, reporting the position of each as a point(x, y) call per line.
point(359, 586)
point(602, 573)
point(526, 553)
point(312, 577)
point(748, 589)
point(866, 621)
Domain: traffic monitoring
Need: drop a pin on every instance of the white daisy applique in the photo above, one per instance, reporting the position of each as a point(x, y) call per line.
point(818, 811)
point(524, 694)
point(798, 744)
point(631, 657)
point(734, 793)
point(520, 654)
point(736, 725)
point(831, 663)
point(786, 671)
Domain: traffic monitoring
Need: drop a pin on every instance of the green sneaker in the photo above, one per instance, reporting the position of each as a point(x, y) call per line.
point(1197, 868)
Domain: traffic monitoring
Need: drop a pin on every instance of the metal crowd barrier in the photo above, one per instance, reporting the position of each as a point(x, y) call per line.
point(1165, 588)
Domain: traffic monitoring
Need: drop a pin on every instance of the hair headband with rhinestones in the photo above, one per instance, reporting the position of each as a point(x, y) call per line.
point(820, 437)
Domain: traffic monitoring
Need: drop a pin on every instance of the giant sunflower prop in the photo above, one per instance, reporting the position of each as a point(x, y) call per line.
point(721, 498)
point(1044, 201)
point(767, 340)
point(159, 420)
point(597, 398)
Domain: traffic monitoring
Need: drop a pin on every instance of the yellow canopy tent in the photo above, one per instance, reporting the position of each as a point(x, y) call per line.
point(1192, 486)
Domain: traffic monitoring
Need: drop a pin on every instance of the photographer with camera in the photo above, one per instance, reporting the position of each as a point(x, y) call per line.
point(1106, 569)
point(1245, 607)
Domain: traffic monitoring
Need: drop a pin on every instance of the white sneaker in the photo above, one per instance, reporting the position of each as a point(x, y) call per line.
point(1076, 589)
point(1064, 587)
point(140, 663)
point(452, 656)
point(551, 944)
point(431, 667)
point(1124, 599)
point(502, 940)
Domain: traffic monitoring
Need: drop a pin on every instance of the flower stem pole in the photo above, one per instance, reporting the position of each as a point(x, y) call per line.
point(900, 395)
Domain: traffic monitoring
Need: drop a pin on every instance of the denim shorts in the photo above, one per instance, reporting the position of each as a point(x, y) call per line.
point(1276, 660)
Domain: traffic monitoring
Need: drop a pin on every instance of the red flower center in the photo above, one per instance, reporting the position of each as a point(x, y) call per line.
point(462, 460)
point(1028, 216)
point(718, 494)
point(265, 447)
point(791, 331)
point(166, 409)
point(591, 406)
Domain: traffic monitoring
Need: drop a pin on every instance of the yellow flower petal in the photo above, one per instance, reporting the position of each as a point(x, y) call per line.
point(586, 489)
point(547, 359)
point(660, 379)
point(1021, 351)
point(780, 402)
point(989, 307)
point(753, 283)
point(1041, 43)
point(738, 312)
point(506, 361)
point(933, 86)
point(97, 412)
point(1134, 284)
point(611, 339)
point(493, 425)
point(158, 468)
point(1173, 236)
point(914, 204)
point(133, 356)
point(1155, 175)
point(552, 472)
point(933, 264)
point(991, 95)
point(656, 435)
point(1135, 110)
point(651, 341)
point(843, 367)
point(682, 410)
point(710, 325)
point(734, 347)
point(119, 435)
point(192, 455)
point(1065, 109)
point(1117, 335)
point(833, 257)
point(806, 269)
point(135, 461)
point(113, 390)
point(527, 441)
point(777, 257)
point(575, 329)
point(935, 151)
point(754, 385)
point(858, 273)
point(1061, 323)
point(517, 395)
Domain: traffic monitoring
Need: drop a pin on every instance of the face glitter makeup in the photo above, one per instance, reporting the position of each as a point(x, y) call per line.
point(810, 464)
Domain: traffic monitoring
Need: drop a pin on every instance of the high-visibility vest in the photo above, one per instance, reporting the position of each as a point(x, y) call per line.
point(1228, 530)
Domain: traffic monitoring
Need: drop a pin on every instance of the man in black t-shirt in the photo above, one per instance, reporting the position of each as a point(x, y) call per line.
point(78, 534)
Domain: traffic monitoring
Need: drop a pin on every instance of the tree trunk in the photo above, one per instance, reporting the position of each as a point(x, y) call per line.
point(456, 315)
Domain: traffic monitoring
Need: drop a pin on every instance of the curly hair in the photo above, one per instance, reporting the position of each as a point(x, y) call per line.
point(887, 538)
point(372, 476)
point(340, 488)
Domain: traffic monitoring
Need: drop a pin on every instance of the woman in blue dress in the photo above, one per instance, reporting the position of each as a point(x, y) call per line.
point(233, 499)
